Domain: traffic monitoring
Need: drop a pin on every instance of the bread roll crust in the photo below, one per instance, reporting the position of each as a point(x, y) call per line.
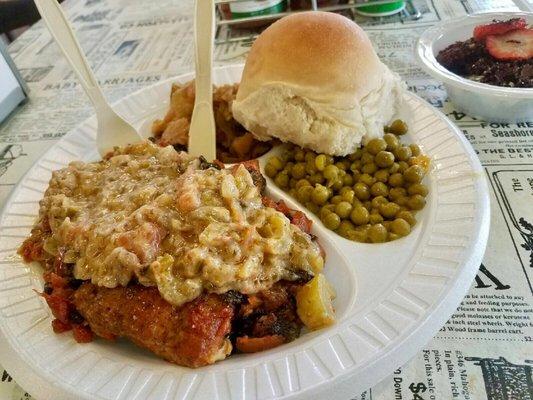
point(318, 52)
point(314, 79)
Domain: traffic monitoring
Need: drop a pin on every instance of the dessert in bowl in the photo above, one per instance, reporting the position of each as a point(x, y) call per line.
point(485, 62)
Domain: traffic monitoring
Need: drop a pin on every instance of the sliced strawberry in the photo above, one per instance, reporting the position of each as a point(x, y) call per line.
point(498, 28)
point(515, 45)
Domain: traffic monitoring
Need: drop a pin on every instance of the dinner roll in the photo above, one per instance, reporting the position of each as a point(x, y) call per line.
point(314, 79)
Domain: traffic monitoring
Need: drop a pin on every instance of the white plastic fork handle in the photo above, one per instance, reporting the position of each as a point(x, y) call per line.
point(113, 130)
point(202, 133)
point(60, 29)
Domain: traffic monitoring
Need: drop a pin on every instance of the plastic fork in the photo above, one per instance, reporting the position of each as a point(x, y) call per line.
point(112, 130)
point(202, 134)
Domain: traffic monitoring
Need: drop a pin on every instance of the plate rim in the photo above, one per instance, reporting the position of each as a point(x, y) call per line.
point(402, 350)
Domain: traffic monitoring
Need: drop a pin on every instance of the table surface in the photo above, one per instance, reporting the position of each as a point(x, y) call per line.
point(485, 349)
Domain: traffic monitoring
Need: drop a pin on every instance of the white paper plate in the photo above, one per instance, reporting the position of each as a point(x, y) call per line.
point(406, 289)
point(480, 100)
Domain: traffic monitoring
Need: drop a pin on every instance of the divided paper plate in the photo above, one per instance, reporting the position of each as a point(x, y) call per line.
point(392, 297)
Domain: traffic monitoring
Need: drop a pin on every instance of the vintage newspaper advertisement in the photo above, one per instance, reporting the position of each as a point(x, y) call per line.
point(485, 350)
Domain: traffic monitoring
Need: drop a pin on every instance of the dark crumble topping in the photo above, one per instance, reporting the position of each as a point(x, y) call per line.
point(470, 59)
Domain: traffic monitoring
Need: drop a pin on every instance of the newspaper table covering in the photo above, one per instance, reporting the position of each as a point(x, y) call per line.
point(485, 351)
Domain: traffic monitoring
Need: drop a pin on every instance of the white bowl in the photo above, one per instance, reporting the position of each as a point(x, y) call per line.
point(489, 102)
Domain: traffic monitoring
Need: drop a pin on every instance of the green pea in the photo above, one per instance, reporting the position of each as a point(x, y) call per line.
point(302, 182)
point(358, 235)
point(396, 193)
point(288, 167)
point(412, 161)
point(310, 156)
point(393, 236)
point(348, 195)
point(403, 153)
point(356, 166)
point(403, 166)
point(310, 167)
point(367, 179)
point(392, 141)
point(400, 227)
point(347, 180)
point(292, 192)
point(418, 188)
point(402, 201)
point(415, 149)
point(344, 190)
point(292, 183)
point(389, 210)
point(355, 176)
point(343, 209)
point(312, 207)
point(304, 194)
point(359, 215)
point(367, 158)
point(356, 155)
point(384, 159)
point(299, 154)
point(337, 184)
point(298, 171)
point(398, 127)
point(345, 227)
point(374, 146)
point(336, 199)
point(324, 210)
point(270, 170)
point(407, 216)
point(276, 162)
point(396, 180)
point(316, 178)
point(414, 174)
point(282, 180)
point(320, 162)
point(377, 233)
point(331, 172)
point(356, 202)
point(369, 168)
point(394, 168)
point(368, 205)
point(416, 202)
point(379, 200)
point(362, 192)
point(382, 175)
point(342, 165)
point(320, 195)
point(286, 155)
point(332, 221)
point(379, 189)
point(375, 219)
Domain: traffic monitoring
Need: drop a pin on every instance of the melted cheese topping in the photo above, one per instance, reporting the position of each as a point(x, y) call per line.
point(151, 214)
